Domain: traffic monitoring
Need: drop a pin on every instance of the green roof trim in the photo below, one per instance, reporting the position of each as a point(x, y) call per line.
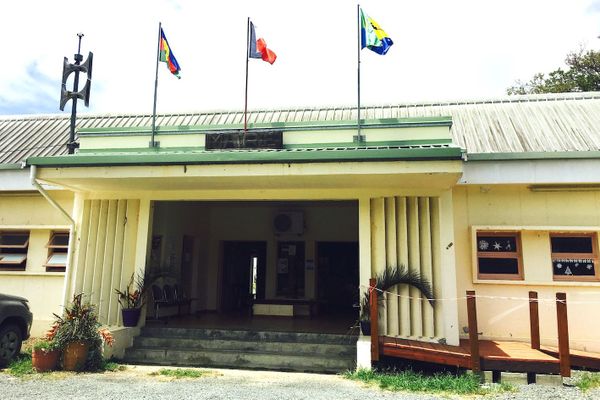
point(287, 126)
point(11, 166)
point(533, 156)
point(329, 154)
point(315, 146)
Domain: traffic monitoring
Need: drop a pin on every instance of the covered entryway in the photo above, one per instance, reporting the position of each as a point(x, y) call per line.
point(267, 264)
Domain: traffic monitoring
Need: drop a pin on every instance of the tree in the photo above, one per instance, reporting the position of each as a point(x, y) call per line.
point(582, 75)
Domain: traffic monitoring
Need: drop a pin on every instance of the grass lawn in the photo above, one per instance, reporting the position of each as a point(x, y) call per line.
point(410, 381)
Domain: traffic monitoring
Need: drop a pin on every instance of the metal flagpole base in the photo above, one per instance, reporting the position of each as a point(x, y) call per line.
point(360, 139)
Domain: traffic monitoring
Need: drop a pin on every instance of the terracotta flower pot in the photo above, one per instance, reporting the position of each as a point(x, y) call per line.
point(131, 316)
point(75, 355)
point(44, 361)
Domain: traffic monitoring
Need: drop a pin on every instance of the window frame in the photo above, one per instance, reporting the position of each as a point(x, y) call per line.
point(593, 256)
point(54, 249)
point(22, 250)
point(518, 255)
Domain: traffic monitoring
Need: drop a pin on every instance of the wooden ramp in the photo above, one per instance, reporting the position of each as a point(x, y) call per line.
point(487, 355)
point(494, 355)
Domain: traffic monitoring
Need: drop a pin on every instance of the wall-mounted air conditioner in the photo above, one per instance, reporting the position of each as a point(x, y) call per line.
point(289, 222)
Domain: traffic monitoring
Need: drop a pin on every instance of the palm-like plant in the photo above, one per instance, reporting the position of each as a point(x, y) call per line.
point(391, 276)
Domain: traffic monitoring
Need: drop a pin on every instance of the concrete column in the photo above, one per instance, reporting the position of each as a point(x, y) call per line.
point(414, 264)
point(363, 346)
point(378, 250)
point(402, 249)
point(434, 206)
point(391, 254)
point(74, 249)
point(426, 262)
point(448, 272)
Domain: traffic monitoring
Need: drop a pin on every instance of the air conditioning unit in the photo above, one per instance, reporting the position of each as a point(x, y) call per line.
point(289, 222)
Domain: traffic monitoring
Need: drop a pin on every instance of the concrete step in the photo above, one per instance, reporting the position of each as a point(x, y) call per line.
point(261, 336)
point(285, 351)
point(236, 359)
point(328, 349)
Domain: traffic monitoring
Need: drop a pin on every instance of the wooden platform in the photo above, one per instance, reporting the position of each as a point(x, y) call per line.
point(494, 355)
point(487, 355)
point(580, 359)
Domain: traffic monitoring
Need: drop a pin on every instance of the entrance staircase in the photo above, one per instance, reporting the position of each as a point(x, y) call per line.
point(219, 348)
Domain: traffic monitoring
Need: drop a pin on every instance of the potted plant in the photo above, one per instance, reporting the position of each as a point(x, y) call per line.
point(389, 277)
point(44, 355)
point(78, 333)
point(132, 299)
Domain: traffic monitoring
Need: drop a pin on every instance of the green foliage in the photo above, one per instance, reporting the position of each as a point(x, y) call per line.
point(582, 75)
point(111, 366)
point(587, 380)
point(390, 277)
point(45, 345)
point(134, 295)
point(21, 366)
point(462, 384)
point(179, 373)
point(79, 323)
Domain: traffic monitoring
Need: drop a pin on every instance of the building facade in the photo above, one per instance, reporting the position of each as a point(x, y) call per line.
point(500, 196)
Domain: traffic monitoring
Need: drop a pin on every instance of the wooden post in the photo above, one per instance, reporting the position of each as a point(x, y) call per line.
point(534, 320)
point(473, 337)
point(374, 311)
point(563, 335)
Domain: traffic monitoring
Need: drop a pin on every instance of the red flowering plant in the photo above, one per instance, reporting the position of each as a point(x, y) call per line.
point(79, 323)
point(134, 295)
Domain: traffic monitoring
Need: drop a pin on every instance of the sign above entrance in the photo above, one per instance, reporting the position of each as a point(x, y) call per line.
point(249, 140)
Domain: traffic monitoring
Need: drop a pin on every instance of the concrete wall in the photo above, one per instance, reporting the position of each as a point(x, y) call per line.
point(210, 223)
point(29, 211)
point(534, 214)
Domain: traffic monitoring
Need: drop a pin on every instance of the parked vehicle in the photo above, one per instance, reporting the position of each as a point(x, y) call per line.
point(15, 324)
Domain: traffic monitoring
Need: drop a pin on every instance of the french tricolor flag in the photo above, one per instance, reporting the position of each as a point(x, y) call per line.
point(258, 48)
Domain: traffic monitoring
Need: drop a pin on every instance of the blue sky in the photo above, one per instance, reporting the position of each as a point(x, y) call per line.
point(443, 51)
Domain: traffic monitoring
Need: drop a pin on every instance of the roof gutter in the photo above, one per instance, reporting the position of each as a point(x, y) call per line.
point(35, 183)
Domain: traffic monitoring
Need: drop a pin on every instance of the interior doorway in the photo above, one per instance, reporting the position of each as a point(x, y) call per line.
point(243, 279)
point(338, 276)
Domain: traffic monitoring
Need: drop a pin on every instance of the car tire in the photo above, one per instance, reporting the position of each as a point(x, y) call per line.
point(11, 339)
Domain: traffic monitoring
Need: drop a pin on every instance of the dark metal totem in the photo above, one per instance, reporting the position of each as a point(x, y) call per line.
point(84, 94)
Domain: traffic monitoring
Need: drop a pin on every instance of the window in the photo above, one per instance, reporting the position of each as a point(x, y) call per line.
point(499, 255)
point(58, 245)
point(574, 256)
point(13, 250)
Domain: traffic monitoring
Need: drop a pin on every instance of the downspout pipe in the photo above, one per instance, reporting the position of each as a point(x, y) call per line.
point(34, 183)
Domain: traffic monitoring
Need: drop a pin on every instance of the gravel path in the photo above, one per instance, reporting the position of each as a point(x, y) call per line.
point(137, 383)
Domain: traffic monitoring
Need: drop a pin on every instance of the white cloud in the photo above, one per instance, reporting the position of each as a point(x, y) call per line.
point(442, 50)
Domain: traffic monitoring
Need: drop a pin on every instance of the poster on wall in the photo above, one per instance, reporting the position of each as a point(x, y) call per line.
point(155, 252)
point(282, 266)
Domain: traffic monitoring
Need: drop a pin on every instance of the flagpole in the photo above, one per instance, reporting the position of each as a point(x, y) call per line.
point(358, 136)
point(246, 91)
point(152, 142)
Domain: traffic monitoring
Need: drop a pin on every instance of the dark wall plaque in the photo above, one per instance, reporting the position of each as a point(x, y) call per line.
point(247, 140)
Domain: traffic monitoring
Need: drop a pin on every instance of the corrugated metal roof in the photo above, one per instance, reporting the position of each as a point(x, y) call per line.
point(536, 123)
